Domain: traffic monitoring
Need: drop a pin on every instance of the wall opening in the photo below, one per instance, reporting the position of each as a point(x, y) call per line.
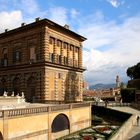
point(60, 123)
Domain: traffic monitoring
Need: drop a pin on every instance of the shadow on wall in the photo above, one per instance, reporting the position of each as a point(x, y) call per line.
point(71, 87)
point(1, 137)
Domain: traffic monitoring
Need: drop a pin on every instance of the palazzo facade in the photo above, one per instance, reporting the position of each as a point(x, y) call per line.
point(43, 60)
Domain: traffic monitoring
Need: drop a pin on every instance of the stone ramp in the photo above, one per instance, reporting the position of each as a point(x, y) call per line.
point(134, 134)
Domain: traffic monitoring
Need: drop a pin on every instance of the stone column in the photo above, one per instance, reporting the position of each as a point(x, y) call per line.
point(80, 57)
point(55, 51)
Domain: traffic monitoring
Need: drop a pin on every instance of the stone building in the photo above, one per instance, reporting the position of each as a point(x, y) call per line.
point(43, 60)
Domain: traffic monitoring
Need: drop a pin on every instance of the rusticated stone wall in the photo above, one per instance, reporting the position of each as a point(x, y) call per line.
point(43, 62)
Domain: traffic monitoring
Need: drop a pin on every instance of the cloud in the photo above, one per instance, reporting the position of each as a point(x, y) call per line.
point(111, 48)
point(29, 6)
point(58, 14)
point(74, 13)
point(114, 3)
point(10, 20)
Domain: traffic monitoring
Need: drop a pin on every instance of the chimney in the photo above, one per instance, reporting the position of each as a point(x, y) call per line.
point(66, 26)
point(23, 24)
point(37, 19)
point(6, 30)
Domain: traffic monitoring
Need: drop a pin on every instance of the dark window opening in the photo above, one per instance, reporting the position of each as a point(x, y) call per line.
point(60, 123)
point(51, 57)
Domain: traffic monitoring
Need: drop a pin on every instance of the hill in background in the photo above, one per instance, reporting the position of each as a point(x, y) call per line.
point(102, 86)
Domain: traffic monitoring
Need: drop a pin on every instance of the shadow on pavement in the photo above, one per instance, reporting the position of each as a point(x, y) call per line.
point(136, 137)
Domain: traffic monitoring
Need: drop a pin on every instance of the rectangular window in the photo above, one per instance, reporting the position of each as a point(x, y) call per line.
point(51, 57)
point(65, 60)
point(59, 75)
point(16, 56)
point(59, 59)
point(4, 62)
point(32, 54)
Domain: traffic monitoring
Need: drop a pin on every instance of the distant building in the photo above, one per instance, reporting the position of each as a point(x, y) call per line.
point(43, 60)
point(85, 85)
point(117, 81)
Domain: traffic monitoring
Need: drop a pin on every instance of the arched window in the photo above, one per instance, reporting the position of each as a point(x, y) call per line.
point(60, 123)
point(4, 60)
point(3, 86)
point(16, 86)
point(31, 89)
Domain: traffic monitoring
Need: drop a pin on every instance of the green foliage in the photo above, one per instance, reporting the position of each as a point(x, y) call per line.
point(128, 95)
point(134, 71)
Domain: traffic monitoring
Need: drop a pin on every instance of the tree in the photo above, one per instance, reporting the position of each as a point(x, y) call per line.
point(134, 71)
point(137, 71)
point(130, 72)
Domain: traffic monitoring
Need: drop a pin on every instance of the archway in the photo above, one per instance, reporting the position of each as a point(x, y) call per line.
point(3, 86)
point(60, 123)
point(16, 86)
point(31, 89)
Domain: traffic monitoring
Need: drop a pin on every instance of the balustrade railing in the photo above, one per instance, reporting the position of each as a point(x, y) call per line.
point(26, 111)
point(36, 110)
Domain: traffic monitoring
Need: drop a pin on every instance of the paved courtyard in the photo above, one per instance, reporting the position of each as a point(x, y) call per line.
point(135, 132)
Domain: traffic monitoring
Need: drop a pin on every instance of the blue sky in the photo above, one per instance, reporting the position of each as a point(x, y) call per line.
point(112, 29)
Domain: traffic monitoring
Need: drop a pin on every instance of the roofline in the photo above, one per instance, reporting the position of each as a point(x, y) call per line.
point(40, 22)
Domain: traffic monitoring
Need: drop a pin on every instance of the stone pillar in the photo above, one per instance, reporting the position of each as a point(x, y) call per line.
point(55, 51)
point(80, 57)
point(70, 119)
point(49, 124)
point(5, 125)
point(62, 53)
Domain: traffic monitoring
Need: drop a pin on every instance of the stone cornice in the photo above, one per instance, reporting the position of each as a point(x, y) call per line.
point(41, 65)
point(41, 23)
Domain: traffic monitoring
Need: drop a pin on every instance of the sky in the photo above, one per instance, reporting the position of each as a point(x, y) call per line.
point(112, 29)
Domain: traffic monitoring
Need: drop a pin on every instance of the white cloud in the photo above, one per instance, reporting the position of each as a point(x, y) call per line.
point(29, 6)
point(74, 13)
point(114, 3)
point(112, 48)
point(58, 14)
point(10, 20)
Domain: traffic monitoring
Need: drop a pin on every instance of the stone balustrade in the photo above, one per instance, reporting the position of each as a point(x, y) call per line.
point(36, 110)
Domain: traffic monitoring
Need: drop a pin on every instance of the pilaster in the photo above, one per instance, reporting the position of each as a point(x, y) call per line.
point(45, 45)
point(55, 51)
point(62, 54)
point(80, 57)
point(68, 54)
